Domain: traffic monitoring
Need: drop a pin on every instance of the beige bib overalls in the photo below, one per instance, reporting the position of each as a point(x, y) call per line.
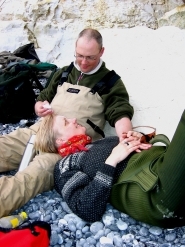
point(74, 101)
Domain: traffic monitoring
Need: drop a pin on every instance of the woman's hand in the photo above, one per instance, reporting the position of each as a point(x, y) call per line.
point(121, 151)
point(42, 108)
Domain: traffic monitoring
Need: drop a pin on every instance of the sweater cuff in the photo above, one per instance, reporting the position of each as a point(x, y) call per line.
point(107, 169)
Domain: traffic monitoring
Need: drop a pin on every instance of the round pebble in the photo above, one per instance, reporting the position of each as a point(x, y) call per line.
point(96, 226)
point(155, 230)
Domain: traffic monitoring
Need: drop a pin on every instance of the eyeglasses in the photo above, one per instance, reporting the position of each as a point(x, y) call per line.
point(88, 58)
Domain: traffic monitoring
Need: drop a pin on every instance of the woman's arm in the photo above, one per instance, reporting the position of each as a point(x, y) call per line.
point(87, 198)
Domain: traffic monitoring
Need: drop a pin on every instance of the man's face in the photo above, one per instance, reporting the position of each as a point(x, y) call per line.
point(88, 54)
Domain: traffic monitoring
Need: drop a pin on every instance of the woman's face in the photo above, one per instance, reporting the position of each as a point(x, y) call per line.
point(67, 128)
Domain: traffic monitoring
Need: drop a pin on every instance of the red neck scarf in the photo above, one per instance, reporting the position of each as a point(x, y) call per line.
point(74, 144)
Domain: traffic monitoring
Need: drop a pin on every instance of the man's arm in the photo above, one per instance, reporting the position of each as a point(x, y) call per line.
point(46, 95)
point(123, 126)
point(124, 130)
point(117, 106)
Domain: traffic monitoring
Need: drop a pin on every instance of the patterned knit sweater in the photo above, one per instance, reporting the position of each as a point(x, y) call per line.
point(84, 180)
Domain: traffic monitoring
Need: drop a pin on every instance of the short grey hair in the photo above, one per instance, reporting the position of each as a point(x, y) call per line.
point(91, 33)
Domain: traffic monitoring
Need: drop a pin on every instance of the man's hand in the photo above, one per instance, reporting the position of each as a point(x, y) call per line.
point(134, 135)
point(123, 126)
point(42, 108)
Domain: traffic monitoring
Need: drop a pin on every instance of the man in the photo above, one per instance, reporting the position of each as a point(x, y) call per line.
point(75, 97)
point(72, 98)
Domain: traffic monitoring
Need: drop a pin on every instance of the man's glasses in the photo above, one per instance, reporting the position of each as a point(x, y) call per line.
point(87, 58)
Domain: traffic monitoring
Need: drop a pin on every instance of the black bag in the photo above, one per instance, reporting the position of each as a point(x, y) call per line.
point(27, 52)
point(17, 97)
point(19, 83)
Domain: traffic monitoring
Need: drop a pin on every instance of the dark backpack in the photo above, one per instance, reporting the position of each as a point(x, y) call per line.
point(18, 85)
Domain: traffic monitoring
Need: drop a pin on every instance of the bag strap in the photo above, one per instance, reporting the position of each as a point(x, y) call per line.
point(22, 66)
point(36, 80)
point(42, 66)
point(160, 138)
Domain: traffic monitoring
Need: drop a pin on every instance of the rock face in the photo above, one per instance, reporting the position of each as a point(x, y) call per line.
point(149, 60)
point(175, 17)
point(100, 13)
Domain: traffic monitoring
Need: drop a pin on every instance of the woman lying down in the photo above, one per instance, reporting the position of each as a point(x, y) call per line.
point(87, 171)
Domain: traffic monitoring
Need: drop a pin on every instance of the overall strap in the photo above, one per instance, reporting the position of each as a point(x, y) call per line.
point(65, 74)
point(104, 85)
point(96, 128)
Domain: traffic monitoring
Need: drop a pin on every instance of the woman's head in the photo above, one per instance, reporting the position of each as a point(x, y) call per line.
point(56, 130)
point(45, 137)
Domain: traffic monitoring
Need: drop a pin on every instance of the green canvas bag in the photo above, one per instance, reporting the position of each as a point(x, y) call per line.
point(138, 179)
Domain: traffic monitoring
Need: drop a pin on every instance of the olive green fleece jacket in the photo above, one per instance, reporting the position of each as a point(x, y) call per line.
point(116, 102)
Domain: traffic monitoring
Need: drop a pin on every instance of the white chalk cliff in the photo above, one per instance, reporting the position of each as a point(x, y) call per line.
point(150, 60)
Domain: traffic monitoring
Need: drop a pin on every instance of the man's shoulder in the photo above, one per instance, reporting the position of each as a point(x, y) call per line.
point(59, 72)
point(103, 69)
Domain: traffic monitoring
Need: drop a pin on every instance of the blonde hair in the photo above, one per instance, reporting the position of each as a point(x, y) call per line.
point(46, 137)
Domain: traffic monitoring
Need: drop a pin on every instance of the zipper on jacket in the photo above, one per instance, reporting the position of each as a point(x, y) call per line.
point(79, 78)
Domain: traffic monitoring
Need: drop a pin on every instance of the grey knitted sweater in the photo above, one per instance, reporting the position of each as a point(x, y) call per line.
point(84, 180)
